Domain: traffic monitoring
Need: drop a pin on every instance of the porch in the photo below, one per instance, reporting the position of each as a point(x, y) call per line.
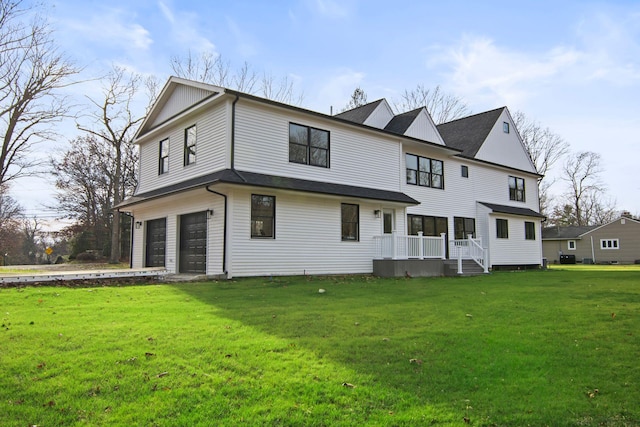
point(399, 255)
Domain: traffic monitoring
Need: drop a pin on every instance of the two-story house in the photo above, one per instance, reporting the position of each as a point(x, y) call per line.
point(231, 184)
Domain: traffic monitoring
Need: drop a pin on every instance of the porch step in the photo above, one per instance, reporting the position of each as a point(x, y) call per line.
point(469, 268)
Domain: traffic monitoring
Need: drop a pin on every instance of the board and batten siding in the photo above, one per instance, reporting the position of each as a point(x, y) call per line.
point(307, 236)
point(356, 157)
point(171, 208)
point(182, 98)
point(211, 149)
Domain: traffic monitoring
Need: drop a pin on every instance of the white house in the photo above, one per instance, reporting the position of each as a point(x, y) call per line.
point(231, 184)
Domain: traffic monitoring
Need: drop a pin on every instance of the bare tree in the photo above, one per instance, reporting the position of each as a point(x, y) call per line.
point(585, 193)
point(11, 216)
point(31, 73)
point(113, 121)
point(545, 148)
point(442, 106)
point(358, 99)
point(213, 69)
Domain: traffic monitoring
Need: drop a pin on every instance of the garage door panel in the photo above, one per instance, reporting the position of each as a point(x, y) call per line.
point(156, 243)
point(193, 242)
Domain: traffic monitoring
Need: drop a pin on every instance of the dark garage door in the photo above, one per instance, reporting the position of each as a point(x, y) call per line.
point(193, 243)
point(156, 242)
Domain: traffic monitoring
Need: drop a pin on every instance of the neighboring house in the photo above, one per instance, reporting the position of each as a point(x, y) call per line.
point(231, 184)
point(615, 242)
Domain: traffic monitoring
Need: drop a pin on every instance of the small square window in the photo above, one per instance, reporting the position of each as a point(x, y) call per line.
point(571, 245)
point(505, 127)
point(464, 171)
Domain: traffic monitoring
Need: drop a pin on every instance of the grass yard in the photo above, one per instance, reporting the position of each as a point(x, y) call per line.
point(558, 347)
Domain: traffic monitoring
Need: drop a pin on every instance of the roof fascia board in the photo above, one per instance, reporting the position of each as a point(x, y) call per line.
point(484, 162)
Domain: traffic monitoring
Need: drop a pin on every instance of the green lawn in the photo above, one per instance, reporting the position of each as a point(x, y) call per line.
point(558, 347)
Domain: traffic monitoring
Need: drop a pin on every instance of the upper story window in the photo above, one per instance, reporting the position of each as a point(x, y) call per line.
point(263, 216)
point(516, 189)
point(424, 171)
point(163, 160)
point(505, 127)
point(464, 171)
point(609, 244)
point(309, 146)
point(529, 230)
point(190, 145)
point(502, 228)
point(350, 222)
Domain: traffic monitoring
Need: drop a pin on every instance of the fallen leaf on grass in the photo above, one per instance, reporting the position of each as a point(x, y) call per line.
point(348, 385)
point(469, 315)
point(50, 403)
point(416, 361)
point(147, 354)
point(41, 365)
point(162, 374)
point(613, 315)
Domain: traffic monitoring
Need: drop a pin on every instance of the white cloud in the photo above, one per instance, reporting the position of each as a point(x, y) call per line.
point(245, 45)
point(335, 90)
point(185, 29)
point(332, 9)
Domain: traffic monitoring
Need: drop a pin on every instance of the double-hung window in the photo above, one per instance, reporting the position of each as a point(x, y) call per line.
point(190, 145)
point(263, 216)
point(350, 222)
point(529, 230)
point(424, 171)
point(502, 228)
point(309, 146)
point(607, 244)
point(463, 227)
point(516, 189)
point(163, 159)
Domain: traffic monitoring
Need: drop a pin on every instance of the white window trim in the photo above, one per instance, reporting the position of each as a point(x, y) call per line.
point(613, 247)
point(569, 245)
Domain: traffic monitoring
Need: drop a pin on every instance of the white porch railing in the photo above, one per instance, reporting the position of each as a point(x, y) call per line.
point(470, 248)
point(396, 246)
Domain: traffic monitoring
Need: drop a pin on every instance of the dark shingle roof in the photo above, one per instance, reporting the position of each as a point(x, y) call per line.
point(230, 176)
point(400, 123)
point(561, 233)
point(512, 210)
point(360, 114)
point(469, 133)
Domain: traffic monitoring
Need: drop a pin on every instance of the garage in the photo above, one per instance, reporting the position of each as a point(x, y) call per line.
point(193, 243)
point(156, 243)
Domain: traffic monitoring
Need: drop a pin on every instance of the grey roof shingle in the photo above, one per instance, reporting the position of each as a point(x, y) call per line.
point(513, 210)
point(360, 114)
point(570, 232)
point(469, 133)
point(232, 176)
point(400, 123)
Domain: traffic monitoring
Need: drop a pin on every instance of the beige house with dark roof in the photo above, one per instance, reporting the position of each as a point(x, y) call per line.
point(615, 242)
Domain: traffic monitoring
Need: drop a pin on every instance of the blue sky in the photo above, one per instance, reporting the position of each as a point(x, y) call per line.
point(574, 66)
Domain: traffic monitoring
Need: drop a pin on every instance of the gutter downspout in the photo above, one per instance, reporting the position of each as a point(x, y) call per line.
point(233, 131)
point(593, 254)
point(224, 231)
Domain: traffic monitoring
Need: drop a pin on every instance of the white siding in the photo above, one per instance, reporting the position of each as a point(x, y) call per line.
point(515, 249)
point(357, 157)
point(211, 150)
point(424, 128)
point(505, 148)
point(381, 116)
point(308, 237)
point(171, 208)
point(180, 99)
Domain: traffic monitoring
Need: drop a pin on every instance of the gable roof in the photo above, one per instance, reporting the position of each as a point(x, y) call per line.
point(469, 133)
point(563, 233)
point(400, 123)
point(360, 114)
point(233, 176)
point(512, 210)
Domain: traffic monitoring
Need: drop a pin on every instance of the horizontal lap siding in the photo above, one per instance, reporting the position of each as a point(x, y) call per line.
point(308, 237)
point(516, 249)
point(171, 209)
point(356, 157)
point(211, 150)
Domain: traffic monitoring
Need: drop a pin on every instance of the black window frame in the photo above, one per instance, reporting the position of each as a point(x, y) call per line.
point(428, 224)
point(163, 157)
point(529, 230)
point(516, 193)
point(505, 127)
point(464, 171)
point(502, 228)
point(462, 227)
point(309, 148)
point(263, 216)
point(421, 176)
point(349, 226)
point(190, 145)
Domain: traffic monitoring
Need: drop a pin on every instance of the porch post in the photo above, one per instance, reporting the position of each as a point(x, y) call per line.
point(421, 245)
point(459, 262)
point(485, 260)
point(443, 236)
point(394, 249)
